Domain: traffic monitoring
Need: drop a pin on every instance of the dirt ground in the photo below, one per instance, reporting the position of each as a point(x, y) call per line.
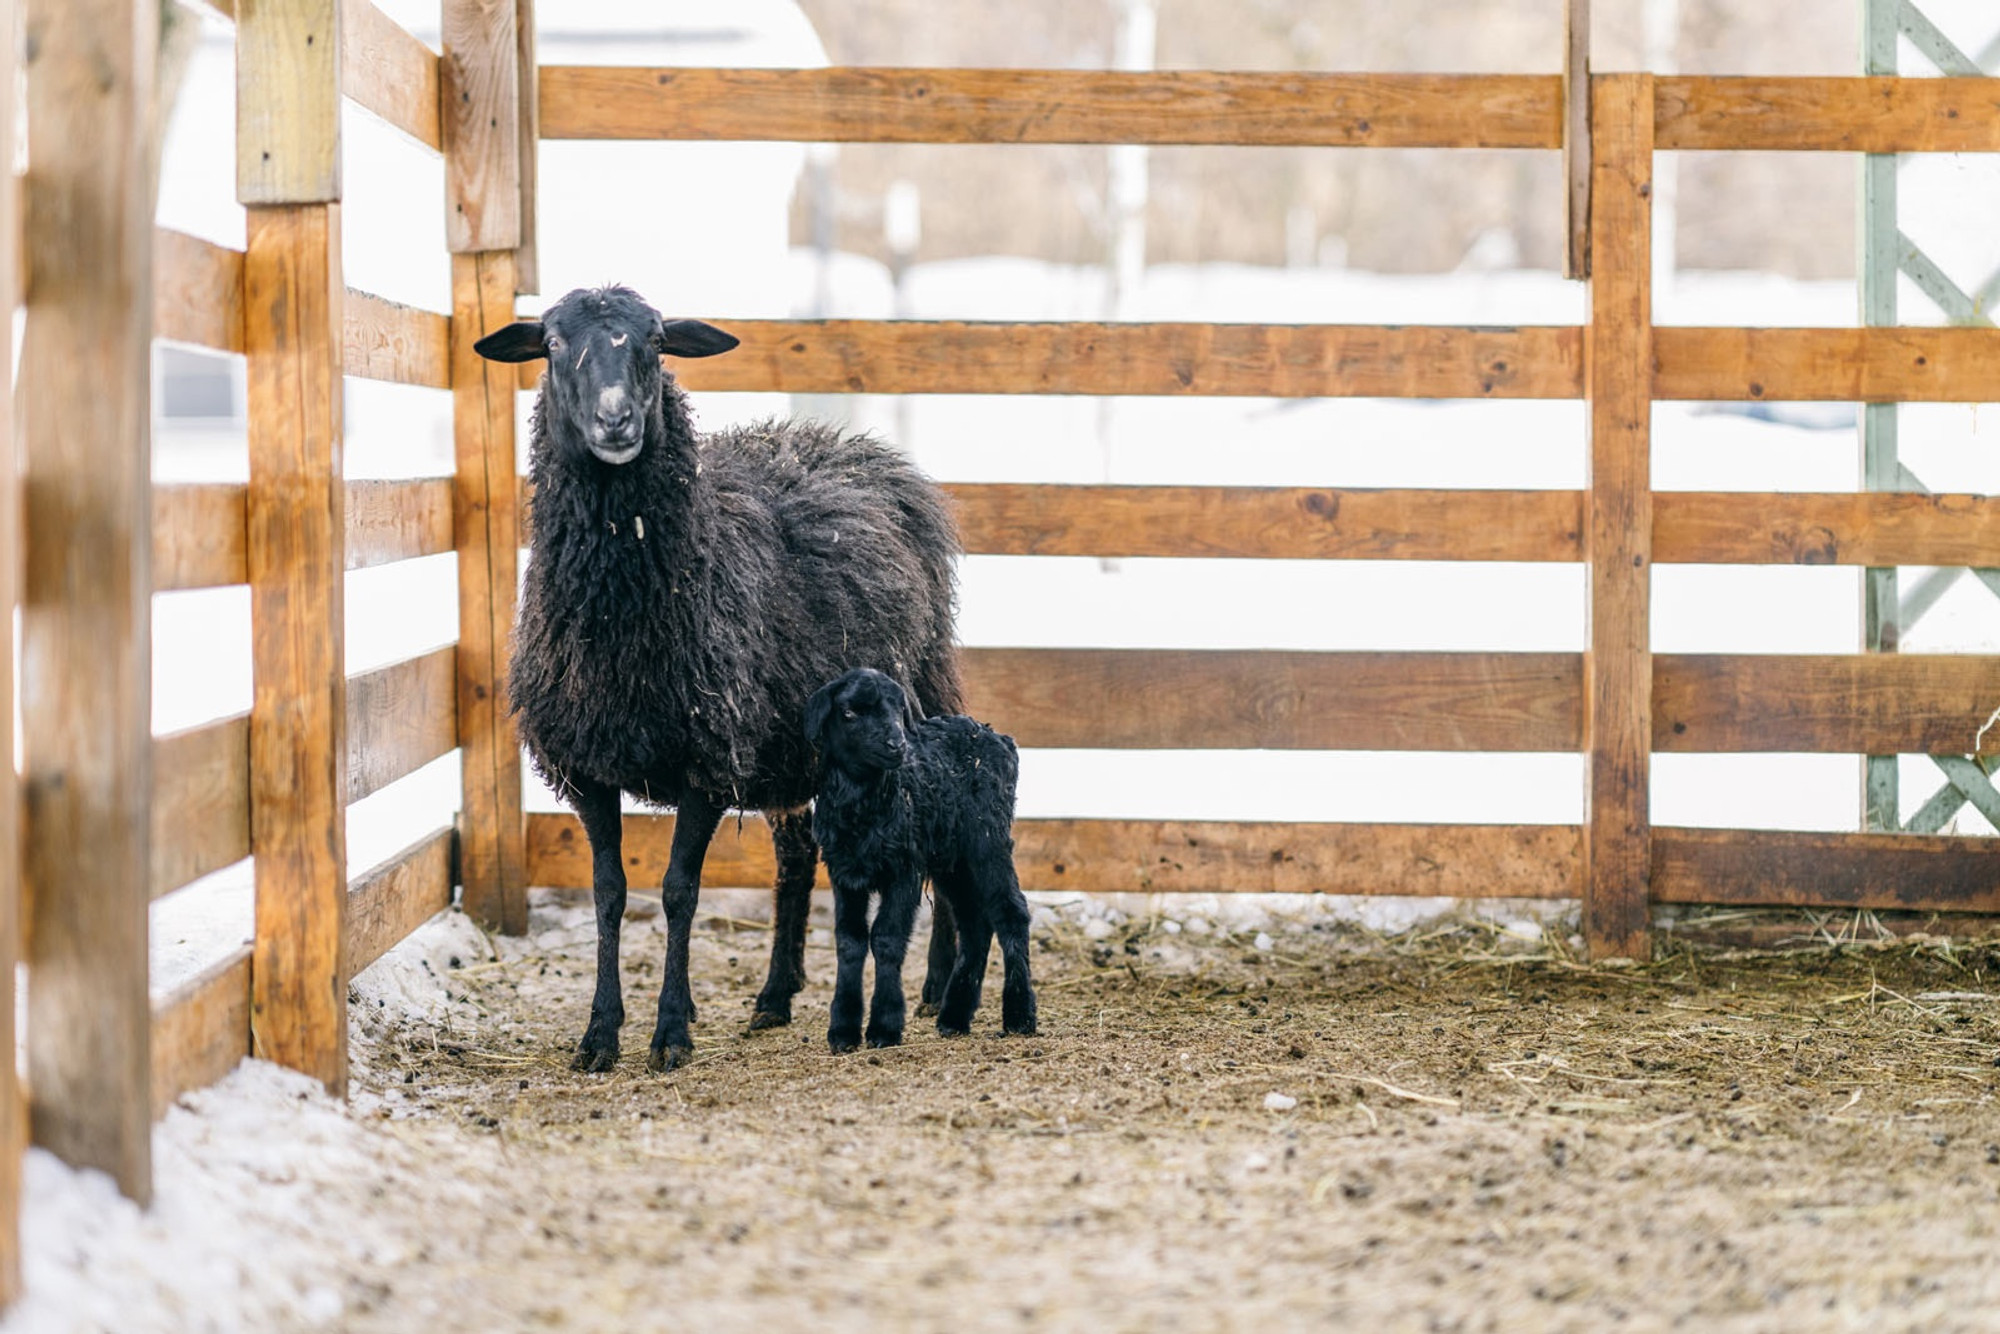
point(1486, 1134)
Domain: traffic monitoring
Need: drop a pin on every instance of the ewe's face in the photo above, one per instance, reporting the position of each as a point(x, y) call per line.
point(857, 723)
point(603, 347)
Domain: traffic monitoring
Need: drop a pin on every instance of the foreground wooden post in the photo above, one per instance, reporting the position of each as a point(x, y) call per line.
point(1618, 669)
point(13, 1112)
point(1576, 140)
point(484, 209)
point(288, 173)
point(86, 688)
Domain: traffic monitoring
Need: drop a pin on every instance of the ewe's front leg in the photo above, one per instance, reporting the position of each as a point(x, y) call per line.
point(792, 840)
point(850, 946)
point(597, 806)
point(890, 940)
point(695, 820)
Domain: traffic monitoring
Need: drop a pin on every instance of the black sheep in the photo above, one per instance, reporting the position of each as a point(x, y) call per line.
point(684, 596)
point(903, 799)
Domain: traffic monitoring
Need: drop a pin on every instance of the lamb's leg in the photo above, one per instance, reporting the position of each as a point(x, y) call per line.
point(695, 819)
point(1008, 910)
point(597, 806)
point(968, 972)
point(792, 840)
point(943, 954)
point(890, 940)
point(850, 944)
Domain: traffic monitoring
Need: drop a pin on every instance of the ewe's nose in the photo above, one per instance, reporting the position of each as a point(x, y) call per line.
point(614, 410)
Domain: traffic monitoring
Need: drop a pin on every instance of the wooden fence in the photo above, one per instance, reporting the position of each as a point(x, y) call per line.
point(115, 817)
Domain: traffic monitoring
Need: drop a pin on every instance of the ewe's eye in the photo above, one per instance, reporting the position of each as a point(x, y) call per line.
point(847, 713)
point(555, 343)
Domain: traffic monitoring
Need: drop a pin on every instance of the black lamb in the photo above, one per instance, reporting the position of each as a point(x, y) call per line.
point(685, 594)
point(903, 799)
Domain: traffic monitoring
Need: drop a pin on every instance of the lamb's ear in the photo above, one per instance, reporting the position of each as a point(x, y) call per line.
point(692, 338)
point(912, 712)
point(818, 709)
point(520, 341)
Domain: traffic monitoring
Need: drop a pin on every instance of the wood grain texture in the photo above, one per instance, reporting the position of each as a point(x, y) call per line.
point(1268, 522)
point(1278, 361)
point(197, 291)
point(1858, 703)
point(1844, 115)
point(1618, 526)
point(528, 103)
point(1576, 139)
point(1885, 365)
point(390, 72)
point(488, 524)
point(199, 537)
point(288, 101)
point(296, 525)
point(399, 718)
point(482, 126)
point(1844, 528)
point(201, 1030)
point(383, 340)
point(1764, 868)
point(1210, 699)
point(1157, 856)
point(201, 801)
point(394, 898)
point(13, 1108)
point(1031, 106)
point(85, 623)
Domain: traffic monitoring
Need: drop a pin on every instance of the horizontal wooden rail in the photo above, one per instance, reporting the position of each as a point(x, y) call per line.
point(1159, 856)
point(400, 718)
point(1034, 106)
point(201, 801)
point(1860, 703)
point(1761, 868)
point(198, 300)
point(201, 1029)
point(1839, 528)
point(1851, 115)
point(1855, 365)
point(1274, 360)
point(390, 72)
point(1211, 699)
point(388, 901)
point(198, 531)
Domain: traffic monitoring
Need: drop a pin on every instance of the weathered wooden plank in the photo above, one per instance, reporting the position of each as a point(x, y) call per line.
point(201, 801)
point(1033, 106)
point(1765, 868)
point(1210, 699)
point(390, 72)
point(528, 140)
point(399, 718)
point(383, 340)
point(491, 855)
point(1279, 361)
point(394, 898)
point(198, 528)
point(1576, 139)
point(201, 1030)
point(1843, 115)
point(295, 526)
point(482, 126)
point(197, 291)
point(1908, 365)
point(1268, 522)
point(1840, 528)
point(198, 536)
point(1157, 856)
point(13, 1106)
point(85, 688)
point(288, 101)
point(1857, 703)
point(1617, 674)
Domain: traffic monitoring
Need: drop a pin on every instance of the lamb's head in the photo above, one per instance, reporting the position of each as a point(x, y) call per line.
point(603, 346)
point(859, 722)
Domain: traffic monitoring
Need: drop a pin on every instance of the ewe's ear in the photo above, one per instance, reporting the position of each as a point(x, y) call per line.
point(692, 338)
point(818, 709)
point(520, 341)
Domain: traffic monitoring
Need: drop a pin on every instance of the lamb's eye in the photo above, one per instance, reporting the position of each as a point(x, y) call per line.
point(847, 713)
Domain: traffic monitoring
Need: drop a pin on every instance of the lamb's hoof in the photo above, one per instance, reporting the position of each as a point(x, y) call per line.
point(662, 1059)
point(925, 1009)
point(595, 1055)
point(763, 1018)
point(885, 1039)
point(842, 1043)
point(1019, 1028)
point(951, 1030)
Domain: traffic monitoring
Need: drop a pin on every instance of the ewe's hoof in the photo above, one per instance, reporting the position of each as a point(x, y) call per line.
point(764, 1018)
point(594, 1057)
point(842, 1044)
point(951, 1030)
point(925, 1009)
point(662, 1059)
point(1020, 1028)
point(885, 1039)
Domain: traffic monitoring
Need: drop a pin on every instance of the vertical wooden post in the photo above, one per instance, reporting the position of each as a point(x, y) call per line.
point(13, 1112)
point(1618, 671)
point(484, 211)
point(288, 126)
point(86, 661)
point(527, 256)
point(1881, 466)
point(1576, 140)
